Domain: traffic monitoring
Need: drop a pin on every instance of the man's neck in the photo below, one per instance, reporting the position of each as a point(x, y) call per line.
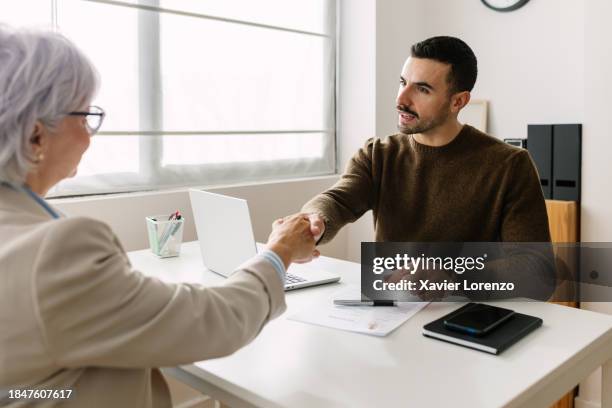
point(440, 135)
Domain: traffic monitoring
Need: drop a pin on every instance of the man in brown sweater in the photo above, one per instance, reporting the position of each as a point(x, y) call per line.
point(437, 180)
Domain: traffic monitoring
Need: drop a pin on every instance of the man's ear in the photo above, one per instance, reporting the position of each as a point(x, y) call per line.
point(459, 100)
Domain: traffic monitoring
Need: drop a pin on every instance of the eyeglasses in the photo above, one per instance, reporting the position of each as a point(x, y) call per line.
point(93, 118)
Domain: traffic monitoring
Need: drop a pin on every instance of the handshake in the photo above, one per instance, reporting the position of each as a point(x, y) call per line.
point(293, 238)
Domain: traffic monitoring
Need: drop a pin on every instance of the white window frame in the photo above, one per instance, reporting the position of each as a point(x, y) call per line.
point(152, 175)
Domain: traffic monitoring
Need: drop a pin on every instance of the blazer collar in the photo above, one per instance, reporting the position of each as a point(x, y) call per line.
point(17, 201)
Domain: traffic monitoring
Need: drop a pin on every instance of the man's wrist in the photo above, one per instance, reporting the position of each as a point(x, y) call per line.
point(322, 232)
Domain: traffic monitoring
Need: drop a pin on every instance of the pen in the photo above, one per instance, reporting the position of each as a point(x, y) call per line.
point(175, 226)
point(169, 229)
point(343, 302)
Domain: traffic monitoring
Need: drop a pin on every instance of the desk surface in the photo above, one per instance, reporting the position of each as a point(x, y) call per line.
point(293, 364)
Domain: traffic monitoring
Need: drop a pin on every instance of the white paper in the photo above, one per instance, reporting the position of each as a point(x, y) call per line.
point(373, 320)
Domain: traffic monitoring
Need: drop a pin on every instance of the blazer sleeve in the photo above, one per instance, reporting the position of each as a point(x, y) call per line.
point(95, 310)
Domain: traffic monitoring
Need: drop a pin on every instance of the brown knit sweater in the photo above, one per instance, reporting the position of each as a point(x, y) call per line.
point(476, 188)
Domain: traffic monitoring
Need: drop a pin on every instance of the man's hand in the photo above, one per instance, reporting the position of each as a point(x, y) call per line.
point(292, 239)
point(317, 225)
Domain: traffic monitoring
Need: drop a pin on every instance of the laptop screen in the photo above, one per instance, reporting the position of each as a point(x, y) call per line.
point(223, 225)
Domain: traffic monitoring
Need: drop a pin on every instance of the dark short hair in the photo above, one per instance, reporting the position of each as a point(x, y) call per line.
point(453, 51)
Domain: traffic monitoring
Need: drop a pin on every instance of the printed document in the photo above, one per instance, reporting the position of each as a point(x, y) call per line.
point(372, 320)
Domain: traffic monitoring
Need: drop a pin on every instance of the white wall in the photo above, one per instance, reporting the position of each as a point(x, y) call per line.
point(356, 98)
point(531, 61)
point(596, 206)
point(399, 24)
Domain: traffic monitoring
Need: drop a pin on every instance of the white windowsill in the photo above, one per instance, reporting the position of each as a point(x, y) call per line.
point(62, 200)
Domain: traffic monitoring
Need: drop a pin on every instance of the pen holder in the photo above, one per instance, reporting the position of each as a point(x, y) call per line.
point(165, 236)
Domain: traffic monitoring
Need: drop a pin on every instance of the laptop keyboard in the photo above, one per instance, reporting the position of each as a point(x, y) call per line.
point(292, 279)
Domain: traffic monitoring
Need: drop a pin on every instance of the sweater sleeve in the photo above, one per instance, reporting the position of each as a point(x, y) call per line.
point(524, 217)
point(96, 311)
point(349, 198)
point(528, 260)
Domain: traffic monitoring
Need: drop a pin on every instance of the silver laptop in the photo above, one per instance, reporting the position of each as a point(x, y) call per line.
point(226, 239)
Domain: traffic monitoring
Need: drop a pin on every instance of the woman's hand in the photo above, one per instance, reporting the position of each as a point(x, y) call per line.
point(293, 239)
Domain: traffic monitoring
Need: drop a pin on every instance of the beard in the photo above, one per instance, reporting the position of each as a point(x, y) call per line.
point(424, 125)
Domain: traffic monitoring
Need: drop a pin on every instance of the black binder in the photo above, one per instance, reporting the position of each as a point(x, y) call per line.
point(508, 333)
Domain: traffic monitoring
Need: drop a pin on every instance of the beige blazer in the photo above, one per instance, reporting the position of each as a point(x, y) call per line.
point(75, 315)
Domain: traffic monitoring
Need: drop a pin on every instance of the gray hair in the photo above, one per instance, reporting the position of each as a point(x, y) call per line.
point(43, 76)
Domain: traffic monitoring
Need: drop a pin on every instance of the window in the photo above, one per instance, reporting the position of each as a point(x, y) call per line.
point(201, 92)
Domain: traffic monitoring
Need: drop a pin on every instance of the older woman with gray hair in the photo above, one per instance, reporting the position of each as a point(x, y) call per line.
point(76, 318)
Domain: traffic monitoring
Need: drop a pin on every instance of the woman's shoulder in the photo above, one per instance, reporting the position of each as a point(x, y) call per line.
point(31, 232)
point(77, 229)
point(81, 248)
point(77, 236)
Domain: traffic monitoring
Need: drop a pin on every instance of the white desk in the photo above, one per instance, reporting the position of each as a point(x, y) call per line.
point(293, 364)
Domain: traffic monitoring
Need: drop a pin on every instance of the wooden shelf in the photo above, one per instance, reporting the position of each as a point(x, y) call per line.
point(563, 220)
point(564, 224)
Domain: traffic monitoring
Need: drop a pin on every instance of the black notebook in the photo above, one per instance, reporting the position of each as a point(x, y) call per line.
point(502, 337)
